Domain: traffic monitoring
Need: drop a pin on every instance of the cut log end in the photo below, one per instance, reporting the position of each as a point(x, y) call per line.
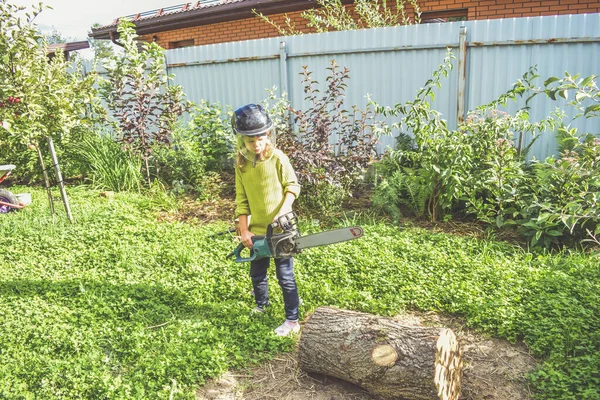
point(448, 366)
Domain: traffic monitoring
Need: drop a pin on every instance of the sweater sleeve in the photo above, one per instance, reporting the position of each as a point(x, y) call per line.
point(241, 199)
point(289, 180)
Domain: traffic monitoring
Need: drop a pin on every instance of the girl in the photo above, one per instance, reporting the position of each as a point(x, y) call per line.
point(266, 187)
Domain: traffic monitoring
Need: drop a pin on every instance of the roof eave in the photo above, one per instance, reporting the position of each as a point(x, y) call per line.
point(209, 15)
point(70, 46)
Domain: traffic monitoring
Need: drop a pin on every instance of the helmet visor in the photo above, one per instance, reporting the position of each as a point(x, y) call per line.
point(256, 149)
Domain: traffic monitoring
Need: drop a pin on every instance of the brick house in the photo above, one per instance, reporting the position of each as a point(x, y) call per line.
point(217, 21)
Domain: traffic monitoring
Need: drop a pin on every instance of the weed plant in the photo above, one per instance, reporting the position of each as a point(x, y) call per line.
point(119, 305)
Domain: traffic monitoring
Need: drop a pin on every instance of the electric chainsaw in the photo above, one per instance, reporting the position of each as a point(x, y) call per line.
point(290, 242)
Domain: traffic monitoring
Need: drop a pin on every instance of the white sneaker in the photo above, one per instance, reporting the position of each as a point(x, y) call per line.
point(287, 328)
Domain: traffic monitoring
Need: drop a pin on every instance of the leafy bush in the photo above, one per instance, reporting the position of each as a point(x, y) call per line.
point(199, 152)
point(476, 165)
point(323, 197)
point(565, 192)
point(438, 157)
point(563, 206)
point(333, 146)
point(212, 135)
point(143, 106)
point(493, 187)
point(481, 169)
point(181, 167)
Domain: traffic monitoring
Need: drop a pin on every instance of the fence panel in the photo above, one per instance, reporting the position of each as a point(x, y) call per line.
point(392, 63)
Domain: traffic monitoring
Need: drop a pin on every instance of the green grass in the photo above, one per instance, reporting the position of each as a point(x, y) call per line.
point(119, 305)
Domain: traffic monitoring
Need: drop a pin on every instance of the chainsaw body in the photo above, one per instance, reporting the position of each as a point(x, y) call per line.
point(274, 245)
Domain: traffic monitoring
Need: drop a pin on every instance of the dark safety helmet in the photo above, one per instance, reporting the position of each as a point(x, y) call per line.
point(251, 120)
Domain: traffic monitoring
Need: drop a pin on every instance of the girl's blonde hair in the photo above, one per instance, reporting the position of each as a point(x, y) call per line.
point(242, 158)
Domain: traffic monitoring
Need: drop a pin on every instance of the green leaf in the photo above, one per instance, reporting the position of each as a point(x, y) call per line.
point(592, 109)
point(550, 80)
point(564, 94)
point(590, 79)
point(580, 96)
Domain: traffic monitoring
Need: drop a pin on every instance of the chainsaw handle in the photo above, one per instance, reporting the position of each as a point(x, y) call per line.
point(238, 251)
point(240, 247)
point(261, 244)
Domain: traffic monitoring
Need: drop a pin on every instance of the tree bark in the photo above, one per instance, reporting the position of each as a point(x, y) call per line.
point(389, 359)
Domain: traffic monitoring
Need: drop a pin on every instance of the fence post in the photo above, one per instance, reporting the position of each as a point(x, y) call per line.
point(283, 80)
point(283, 76)
point(462, 75)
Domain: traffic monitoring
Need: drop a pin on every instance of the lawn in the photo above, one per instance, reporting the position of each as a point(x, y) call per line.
point(122, 304)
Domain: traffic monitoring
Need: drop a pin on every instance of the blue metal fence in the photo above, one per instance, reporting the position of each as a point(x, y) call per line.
point(391, 64)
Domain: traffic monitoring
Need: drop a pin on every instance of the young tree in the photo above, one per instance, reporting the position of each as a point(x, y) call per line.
point(143, 106)
point(102, 48)
point(39, 98)
point(55, 37)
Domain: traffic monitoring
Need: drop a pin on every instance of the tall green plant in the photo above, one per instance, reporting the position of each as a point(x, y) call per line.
point(201, 150)
point(211, 134)
point(440, 157)
point(497, 189)
point(333, 146)
point(565, 190)
point(565, 197)
point(107, 166)
point(475, 166)
point(143, 106)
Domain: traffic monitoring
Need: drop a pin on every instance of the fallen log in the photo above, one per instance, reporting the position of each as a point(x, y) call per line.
point(389, 359)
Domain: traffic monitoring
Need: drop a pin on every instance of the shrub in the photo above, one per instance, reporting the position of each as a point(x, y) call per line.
point(563, 204)
point(495, 189)
point(565, 191)
point(144, 107)
point(439, 158)
point(199, 151)
point(211, 134)
point(332, 145)
point(480, 168)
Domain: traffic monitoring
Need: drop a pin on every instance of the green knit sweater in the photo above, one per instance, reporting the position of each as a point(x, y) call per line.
point(260, 190)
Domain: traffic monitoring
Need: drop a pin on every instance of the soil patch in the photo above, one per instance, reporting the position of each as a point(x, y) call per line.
point(494, 369)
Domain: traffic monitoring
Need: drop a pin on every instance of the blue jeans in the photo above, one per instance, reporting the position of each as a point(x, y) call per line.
point(284, 269)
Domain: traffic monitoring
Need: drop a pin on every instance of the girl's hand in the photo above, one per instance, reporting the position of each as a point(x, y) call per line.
point(284, 210)
point(246, 238)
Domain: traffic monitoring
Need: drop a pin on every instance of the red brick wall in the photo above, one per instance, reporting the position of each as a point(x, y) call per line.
point(244, 29)
point(255, 28)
